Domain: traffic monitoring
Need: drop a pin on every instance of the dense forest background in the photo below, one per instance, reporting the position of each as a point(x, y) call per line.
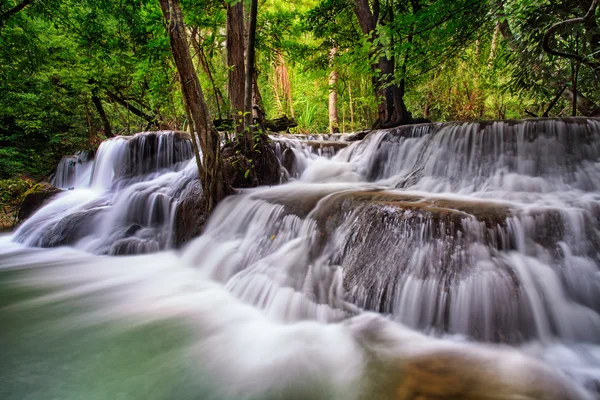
point(73, 72)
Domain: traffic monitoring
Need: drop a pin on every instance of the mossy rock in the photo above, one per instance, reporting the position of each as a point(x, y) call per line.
point(34, 198)
point(12, 190)
point(11, 195)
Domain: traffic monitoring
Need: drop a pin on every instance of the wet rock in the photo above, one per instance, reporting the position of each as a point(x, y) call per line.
point(449, 212)
point(408, 255)
point(8, 217)
point(358, 136)
point(238, 172)
point(132, 229)
point(456, 373)
point(288, 160)
point(190, 214)
point(241, 172)
point(35, 198)
point(267, 166)
point(440, 209)
point(134, 245)
point(280, 124)
point(69, 229)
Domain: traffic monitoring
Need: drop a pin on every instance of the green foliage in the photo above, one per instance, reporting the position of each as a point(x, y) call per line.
point(13, 190)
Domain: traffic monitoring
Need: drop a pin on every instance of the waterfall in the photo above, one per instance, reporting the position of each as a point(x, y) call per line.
point(129, 203)
point(73, 171)
point(459, 236)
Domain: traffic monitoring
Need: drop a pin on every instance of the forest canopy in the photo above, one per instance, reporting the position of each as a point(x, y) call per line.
point(75, 72)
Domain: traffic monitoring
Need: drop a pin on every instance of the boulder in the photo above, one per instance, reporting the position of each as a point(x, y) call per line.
point(190, 214)
point(242, 172)
point(280, 124)
point(70, 229)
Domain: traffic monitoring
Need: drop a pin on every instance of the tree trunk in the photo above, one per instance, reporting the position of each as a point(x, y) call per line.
point(105, 122)
point(210, 169)
point(351, 105)
point(494, 45)
point(258, 108)
point(250, 72)
point(235, 61)
point(391, 108)
point(281, 82)
point(333, 96)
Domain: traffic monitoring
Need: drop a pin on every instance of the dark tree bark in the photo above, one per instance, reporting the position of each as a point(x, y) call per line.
point(235, 61)
point(258, 107)
point(334, 118)
point(552, 103)
point(210, 169)
point(250, 71)
point(105, 122)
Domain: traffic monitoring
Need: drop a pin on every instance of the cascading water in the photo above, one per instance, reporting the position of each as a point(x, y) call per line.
point(74, 171)
point(129, 204)
point(464, 231)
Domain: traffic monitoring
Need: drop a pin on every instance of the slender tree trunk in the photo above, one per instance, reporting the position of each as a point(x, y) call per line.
point(427, 104)
point(276, 86)
point(574, 76)
point(333, 96)
point(494, 45)
point(258, 108)
point(350, 103)
point(105, 122)
point(235, 61)
point(250, 53)
point(282, 83)
point(210, 169)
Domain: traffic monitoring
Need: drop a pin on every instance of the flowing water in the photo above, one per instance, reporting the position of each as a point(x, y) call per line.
point(431, 261)
point(74, 171)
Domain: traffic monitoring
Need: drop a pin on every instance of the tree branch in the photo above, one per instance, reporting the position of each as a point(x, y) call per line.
point(151, 120)
point(560, 53)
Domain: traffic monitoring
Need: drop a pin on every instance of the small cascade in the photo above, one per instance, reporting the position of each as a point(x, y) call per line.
point(296, 152)
point(74, 171)
point(497, 158)
point(125, 159)
point(129, 204)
